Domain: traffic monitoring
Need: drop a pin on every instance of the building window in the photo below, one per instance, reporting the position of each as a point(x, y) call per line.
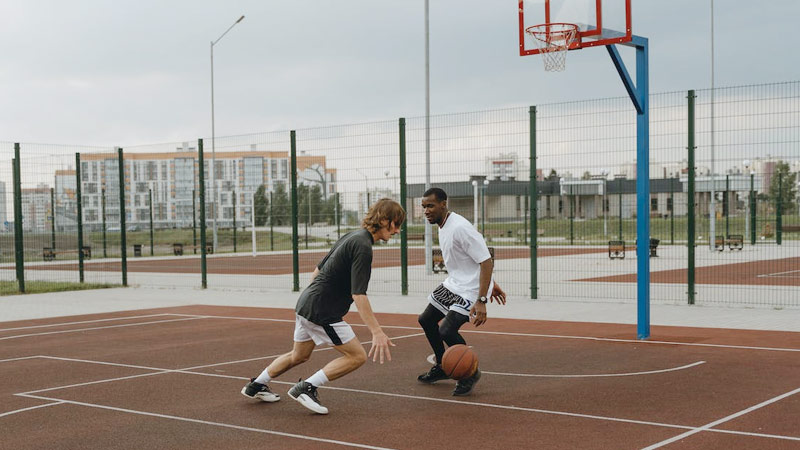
point(669, 204)
point(653, 204)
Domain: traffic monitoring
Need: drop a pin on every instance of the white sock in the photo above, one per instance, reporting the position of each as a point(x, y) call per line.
point(264, 378)
point(318, 379)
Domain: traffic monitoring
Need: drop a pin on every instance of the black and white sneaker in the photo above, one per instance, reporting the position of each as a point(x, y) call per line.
point(306, 394)
point(432, 376)
point(259, 391)
point(464, 387)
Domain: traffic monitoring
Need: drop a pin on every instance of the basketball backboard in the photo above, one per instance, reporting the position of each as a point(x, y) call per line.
point(599, 22)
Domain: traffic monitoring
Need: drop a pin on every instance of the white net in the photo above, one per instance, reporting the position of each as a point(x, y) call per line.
point(553, 40)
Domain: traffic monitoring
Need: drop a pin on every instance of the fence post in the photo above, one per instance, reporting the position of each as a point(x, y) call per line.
point(53, 219)
point(202, 185)
point(79, 214)
point(690, 200)
point(234, 221)
point(19, 250)
point(295, 242)
point(194, 223)
point(103, 205)
point(271, 226)
point(752, 217)
point(779, 211)
point(672, 214)
point(404, 228)
point(533, 192)
point(122, 232)
point(150, 203)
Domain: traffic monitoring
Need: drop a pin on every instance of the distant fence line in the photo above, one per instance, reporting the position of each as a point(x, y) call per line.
point(293, 192)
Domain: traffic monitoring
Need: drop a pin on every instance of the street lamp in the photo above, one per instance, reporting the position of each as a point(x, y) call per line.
point(213, 140)
point(366, 185)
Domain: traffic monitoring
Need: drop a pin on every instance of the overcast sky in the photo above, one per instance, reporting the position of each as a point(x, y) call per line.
point(127, 72)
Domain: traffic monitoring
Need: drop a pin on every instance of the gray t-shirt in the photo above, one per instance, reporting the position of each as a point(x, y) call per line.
point(344, 272)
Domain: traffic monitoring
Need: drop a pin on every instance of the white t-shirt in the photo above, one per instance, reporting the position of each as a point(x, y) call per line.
point(463, 250)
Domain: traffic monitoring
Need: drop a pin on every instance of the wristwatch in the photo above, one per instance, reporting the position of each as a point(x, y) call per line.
point(483, 299)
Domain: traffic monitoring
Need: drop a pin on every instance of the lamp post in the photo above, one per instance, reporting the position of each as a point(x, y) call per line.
point(366, 192)
point(213, 141)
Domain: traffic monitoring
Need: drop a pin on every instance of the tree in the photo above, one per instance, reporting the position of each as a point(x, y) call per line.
point(281, 208)
point(586, 176)
point(261, 206)
point(553, 176)
point(783, 188)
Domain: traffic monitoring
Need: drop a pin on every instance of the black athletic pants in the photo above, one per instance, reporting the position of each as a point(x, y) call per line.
point(446, 332)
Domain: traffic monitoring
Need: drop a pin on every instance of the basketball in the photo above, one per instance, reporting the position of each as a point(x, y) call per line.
point(459, 362)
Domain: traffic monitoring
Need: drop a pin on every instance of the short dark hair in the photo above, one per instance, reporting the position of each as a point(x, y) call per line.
point(440, 194)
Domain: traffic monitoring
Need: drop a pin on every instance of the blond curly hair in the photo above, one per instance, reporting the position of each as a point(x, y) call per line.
point(383, 209)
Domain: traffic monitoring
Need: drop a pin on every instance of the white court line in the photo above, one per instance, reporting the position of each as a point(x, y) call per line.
point(63, 324)
point(634, 341)
point(551, 336)
point(97, 328)
point(432, 360)
point(399, 327)
point(541, 411)
point(59, 402)
point(160, 371)
point(777, 274)
point(725, 419)
point(216, 424)
point(19, 359)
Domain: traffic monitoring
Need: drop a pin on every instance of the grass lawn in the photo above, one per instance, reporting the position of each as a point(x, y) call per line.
point(40, 287)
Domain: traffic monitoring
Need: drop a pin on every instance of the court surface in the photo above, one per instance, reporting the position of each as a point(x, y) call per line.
point(170, 378)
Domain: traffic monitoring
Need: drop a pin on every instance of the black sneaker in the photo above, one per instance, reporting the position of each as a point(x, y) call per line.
point(306, 394)
point(432, 376)
point(464, 387)
point(260, 391)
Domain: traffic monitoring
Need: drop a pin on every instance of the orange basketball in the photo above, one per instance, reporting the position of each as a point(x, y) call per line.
point(459, 362)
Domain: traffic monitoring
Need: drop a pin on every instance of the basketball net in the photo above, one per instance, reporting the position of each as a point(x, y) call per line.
point(553, 41)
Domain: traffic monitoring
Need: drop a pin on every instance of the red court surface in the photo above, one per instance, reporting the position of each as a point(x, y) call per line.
point(170, 378)
point(771, 272)
point(278, 264)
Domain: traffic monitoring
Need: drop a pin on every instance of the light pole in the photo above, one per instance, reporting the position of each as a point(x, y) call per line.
point(213, 141)
point(366, 192)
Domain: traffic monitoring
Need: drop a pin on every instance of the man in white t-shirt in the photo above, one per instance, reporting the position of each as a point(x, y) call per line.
point(463, 295)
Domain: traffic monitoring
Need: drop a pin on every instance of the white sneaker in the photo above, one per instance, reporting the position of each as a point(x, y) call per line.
point(306, 394)
point(259, 391)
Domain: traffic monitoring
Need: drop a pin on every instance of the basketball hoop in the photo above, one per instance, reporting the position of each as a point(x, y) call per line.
point(553, 40)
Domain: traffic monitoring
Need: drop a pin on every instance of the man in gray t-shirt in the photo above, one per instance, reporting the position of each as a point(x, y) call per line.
point(339, 280)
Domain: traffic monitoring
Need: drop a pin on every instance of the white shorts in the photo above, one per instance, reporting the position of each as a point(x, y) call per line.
point(334, 334)
point(444, 300)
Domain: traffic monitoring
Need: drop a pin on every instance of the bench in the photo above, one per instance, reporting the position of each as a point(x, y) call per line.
point(653, 246)
point(415, 236)
point(437, 260)
point(49, 254)
point(790, 228)
point(616, 249)
point(489, 234)
point(177, 249)
point(735, 242)
point(719, 243)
